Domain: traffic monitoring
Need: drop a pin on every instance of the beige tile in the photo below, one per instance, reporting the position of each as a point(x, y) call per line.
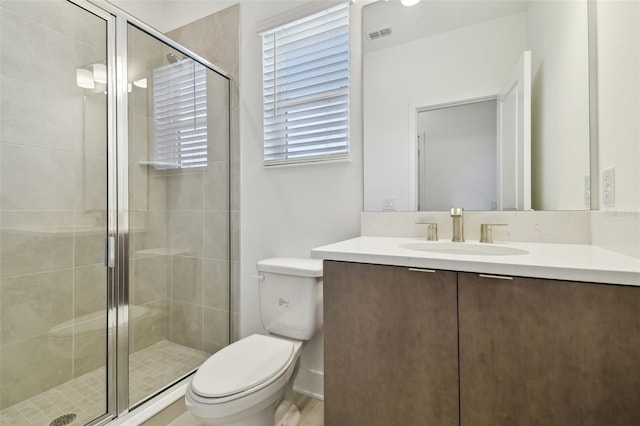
point(216, 329)
point(151, 327)
point(139, 101)
point(36, 179)
point(235, 185)
point(139, 138)
point(216, 235)
point(31, 115)
point(87, 54)
point(89, 249)
point(56, 15)
point(186, 279)
point(217, 93)
point(30, 367)
point(156, 233)
point(94, 142)
point(235, 235)
point(32, 221)
point(28, 248)
point(138, 173)
point(235, 285)
point(90, 28)
point(89, 345)
point(150, 278)
point(216, 186)
point(90, 289)
point(186, 231)
point(32, 304)
point(186, 324)
point(185, 190)
point(36, 53)
point(159, 365)
point(235, 301)
point(218, 136)
point(235, 122)
point(91, 179)
point(224, 24)
point(216, 283)
point(157, 192)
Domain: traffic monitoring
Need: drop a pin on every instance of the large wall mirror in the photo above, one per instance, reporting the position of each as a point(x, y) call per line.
point(476, 104)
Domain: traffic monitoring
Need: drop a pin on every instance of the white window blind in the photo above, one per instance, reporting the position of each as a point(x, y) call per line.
point(306, 88)
point(180, 115)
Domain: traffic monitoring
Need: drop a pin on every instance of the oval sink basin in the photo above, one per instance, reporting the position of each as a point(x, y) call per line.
point(464, 248)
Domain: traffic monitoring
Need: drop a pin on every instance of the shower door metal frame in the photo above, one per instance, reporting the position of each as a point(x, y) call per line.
point(118, 227)
point(112, 213)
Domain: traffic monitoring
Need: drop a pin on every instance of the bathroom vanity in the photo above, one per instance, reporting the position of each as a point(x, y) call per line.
point(549, 336)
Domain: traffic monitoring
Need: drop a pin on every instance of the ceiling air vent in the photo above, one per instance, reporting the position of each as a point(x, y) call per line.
point(380, 33)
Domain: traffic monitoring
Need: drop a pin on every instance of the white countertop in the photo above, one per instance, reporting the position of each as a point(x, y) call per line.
point(574, 262)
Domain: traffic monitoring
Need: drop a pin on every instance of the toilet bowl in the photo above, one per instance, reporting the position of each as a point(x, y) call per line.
point(263, 367)
point(242, 384)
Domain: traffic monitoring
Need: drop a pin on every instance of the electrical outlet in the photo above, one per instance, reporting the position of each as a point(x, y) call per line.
point(388, 204)
point(609, 187)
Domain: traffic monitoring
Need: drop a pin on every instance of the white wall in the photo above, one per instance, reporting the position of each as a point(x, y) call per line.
point(618, 227)
point(287, 211)
point(558, 37)
point(619, 98)
point(468, 63)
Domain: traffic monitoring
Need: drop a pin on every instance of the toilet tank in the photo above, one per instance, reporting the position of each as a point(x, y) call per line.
point(291, 296)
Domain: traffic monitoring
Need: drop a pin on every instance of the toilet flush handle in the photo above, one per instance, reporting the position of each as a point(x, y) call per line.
point(259, 277)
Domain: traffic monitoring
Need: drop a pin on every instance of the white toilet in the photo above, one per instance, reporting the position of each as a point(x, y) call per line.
point(242, 384)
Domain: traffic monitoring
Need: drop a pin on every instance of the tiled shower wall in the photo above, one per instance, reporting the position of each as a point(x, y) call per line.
point(180, 235)
point(216, 38)
point(52, 185)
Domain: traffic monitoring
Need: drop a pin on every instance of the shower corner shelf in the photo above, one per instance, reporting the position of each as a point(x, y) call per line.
point(159, 163)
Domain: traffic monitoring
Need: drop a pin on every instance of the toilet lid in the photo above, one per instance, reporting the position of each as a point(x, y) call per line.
point(242, 365)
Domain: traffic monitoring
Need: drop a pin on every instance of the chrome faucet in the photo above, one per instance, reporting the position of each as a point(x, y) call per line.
point(458, 225)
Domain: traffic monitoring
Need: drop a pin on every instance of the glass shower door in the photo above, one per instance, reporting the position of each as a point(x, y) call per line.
point(178, 119)
point(53, 212)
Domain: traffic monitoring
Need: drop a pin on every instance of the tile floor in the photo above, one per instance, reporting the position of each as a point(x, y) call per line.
point(311, 414)
point(151, 370)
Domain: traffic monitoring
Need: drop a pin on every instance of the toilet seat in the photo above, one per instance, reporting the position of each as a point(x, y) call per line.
point(242, 368)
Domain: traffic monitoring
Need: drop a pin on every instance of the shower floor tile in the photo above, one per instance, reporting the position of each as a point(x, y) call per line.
point(151, 369)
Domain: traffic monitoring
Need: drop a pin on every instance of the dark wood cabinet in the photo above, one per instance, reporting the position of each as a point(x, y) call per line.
point(408, 347)
point(545, 352)
point(391, 346)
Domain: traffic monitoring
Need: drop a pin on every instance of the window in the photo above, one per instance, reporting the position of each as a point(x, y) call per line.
point(180, 115)
point(306, 88)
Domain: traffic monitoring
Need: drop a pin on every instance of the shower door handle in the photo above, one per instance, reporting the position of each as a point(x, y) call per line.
point(110, 252)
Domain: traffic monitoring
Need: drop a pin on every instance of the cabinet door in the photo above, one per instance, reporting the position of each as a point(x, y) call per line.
point(544, 352)
point(391, 355)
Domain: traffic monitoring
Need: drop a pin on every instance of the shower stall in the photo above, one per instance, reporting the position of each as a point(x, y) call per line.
point(114, 212)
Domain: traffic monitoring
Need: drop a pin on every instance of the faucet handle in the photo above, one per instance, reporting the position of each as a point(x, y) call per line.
point(456, 211)
point(432, 230)
point(486, 231)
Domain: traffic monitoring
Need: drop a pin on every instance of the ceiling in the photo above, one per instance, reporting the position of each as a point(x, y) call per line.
point(428, 18)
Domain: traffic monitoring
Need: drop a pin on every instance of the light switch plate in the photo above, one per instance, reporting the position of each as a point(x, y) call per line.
point(609, 187)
